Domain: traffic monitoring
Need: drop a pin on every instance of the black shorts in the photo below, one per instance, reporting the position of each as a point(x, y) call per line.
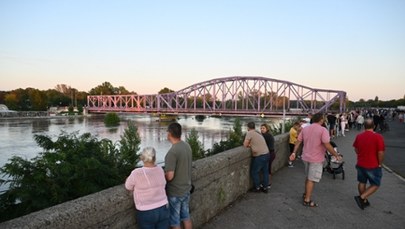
point(332, 126)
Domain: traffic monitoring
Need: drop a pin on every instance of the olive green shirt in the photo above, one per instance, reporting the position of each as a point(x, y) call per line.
point(179, 160)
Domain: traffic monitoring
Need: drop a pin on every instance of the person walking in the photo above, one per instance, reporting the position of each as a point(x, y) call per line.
point(331, 118)
point(148, 187)
point(260, 157)
point(268, 137)
point(294, 131)
point(343, 123)
point(316, 141)
point(369, 147)
point(360, 121)
point(178, 164)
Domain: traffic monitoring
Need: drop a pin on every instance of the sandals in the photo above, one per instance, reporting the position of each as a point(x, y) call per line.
point(310, 204)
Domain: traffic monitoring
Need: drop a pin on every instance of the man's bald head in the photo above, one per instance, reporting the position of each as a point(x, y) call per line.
point(369, 124)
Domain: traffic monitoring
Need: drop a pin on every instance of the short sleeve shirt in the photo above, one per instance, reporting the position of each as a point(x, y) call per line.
point(368, 144)
point(179, 160)
point(257, 143)
point(293, 135)
point(314, 137)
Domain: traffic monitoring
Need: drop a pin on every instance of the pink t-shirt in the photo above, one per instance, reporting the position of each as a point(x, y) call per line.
point(314, 137)
point(148, 185)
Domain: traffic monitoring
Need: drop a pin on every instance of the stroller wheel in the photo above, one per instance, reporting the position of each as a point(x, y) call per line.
point(343, 174)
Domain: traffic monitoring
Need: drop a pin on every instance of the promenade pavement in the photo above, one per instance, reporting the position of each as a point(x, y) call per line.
point(282, 206)
point(395, 147)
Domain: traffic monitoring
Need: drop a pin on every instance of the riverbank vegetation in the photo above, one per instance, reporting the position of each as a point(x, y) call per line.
point(111, 119)
point(32, 99)
point(69, 167)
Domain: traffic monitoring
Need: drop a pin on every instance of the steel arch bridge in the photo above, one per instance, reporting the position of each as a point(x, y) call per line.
point(231, 96)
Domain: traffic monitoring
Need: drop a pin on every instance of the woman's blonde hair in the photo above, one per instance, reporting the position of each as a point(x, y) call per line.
point(148, 154)
point(266, 126)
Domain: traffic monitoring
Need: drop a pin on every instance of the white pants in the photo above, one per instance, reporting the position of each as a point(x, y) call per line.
point(343, 127)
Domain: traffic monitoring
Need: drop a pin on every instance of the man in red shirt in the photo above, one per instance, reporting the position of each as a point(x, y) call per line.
point(369, 147)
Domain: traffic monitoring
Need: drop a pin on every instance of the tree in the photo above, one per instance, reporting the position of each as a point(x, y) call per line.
point(197, 147)
point(105, 88)
point(64, 89)
point(37, 99)
point(165, 90)
point(69, 167)
point(56, 98)
point(235, 139)
point(11, 101)
point(129, 145)
point(111, 119)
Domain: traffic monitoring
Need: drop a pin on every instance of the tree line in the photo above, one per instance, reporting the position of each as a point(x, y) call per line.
point(32, 99)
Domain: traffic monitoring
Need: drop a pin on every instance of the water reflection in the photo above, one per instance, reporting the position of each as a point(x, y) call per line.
point(40, 125)
point(16, 136)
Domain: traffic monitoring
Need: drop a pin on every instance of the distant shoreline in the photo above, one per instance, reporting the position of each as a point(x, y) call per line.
point(45, 117)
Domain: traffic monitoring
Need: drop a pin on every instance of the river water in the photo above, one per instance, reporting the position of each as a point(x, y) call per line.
point(17, 135)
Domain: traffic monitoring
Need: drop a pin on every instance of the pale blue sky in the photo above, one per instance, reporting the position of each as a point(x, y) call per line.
point(357, 46)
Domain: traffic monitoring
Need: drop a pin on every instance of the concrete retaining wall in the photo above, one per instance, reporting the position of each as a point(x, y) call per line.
point(219, 180)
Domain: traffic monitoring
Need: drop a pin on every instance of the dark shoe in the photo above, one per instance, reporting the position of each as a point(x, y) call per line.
point(265, 190)
point(310, 204)
point(360, 202)
point(366, 203)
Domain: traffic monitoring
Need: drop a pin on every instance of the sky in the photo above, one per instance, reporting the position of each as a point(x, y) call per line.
point(355, 46)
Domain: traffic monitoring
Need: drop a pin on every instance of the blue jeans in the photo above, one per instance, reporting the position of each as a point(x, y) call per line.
point(260, 164)
point(157, 218)
point(179, 209)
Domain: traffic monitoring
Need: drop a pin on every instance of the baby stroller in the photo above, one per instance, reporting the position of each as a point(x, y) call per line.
point(332, 165)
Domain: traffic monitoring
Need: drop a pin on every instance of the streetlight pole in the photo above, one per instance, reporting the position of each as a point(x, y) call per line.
point(283, 125)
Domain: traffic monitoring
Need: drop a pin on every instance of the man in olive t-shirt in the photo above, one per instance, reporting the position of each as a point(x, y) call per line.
point(178, 163)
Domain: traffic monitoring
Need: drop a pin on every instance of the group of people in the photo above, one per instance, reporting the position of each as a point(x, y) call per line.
point(315, 138)
point(263, 154)
point(162, 196)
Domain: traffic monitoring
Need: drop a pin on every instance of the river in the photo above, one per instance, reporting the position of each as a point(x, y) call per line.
point(17, 135)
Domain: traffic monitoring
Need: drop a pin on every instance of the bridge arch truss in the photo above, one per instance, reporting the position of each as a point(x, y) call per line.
point(227, 96)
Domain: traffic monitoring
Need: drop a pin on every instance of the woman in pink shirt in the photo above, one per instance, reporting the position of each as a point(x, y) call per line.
point(148, 187)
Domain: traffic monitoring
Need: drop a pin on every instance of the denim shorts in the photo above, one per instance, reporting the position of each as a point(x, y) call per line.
point(157, 218)
point(179, 209)
point(371, 175)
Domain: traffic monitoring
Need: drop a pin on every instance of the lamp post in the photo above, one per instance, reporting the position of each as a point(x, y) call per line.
point(283, 125)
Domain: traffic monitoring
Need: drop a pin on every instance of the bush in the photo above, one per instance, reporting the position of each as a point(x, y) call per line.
point(196, 145)
point(129, 144)
point(277, 129)
point(80, 109)
point(71, 110)
point(111, 119)
point(234, 140)
point(69, 167)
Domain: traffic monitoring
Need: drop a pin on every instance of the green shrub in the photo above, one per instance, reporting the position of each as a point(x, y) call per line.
point(80, 109)
point(196, 145)
point(71, 110)
point(111, 119)
point(234, 140)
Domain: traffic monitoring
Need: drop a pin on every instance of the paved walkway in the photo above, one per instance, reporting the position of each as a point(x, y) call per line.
point(282, 206)
point(395, 146)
